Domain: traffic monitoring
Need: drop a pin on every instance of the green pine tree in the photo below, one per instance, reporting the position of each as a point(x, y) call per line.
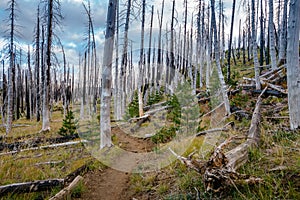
point(69, 125)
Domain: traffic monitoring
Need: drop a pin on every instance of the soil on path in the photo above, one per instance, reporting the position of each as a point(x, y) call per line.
point(110, 184)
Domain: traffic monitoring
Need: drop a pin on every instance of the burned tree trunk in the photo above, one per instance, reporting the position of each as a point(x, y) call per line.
point(35, 186)
point(105, 132)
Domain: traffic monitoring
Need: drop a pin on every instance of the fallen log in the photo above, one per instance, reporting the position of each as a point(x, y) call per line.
point(80, 171)
point(239, 113)
point(204, 100)
point(36, 186)
point(63, 194)
point(16, 125)
point(211, 131)
point(264, 81)
point(275, 87)
point(135, 119)
point(278, 117)
point(272, 71)
point(146, 108)
point(213, 110)
point(269, 93)
point(151, 112)
point(51, 163)
point(216, 129)
point(251, 68)
point(221, 168)
point(35, 142)
point(45, 147)
point(139, 123)
point(246, 86)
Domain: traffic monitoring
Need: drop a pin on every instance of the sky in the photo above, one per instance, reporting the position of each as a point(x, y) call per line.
point(71, 32)
point(74, 25)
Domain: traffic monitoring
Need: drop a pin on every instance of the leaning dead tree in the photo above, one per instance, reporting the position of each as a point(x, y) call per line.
point(220, 171)
point(221, 167)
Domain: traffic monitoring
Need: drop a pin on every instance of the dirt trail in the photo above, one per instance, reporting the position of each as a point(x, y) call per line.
point(111, 184)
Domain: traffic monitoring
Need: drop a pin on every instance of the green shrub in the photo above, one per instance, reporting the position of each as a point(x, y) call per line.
point(164, 135)
point(174, 113)
point(155, 97)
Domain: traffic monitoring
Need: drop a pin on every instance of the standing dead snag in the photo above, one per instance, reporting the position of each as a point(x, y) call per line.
point(105, 131)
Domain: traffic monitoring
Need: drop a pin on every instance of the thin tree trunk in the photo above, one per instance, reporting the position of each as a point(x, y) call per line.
point(124, 63)
point(30, 84)
point(10, 71)
point(272, 36)
point(283, 35)
point(37, 65)
point(46, 95)
point(230, 41)
point(159, 53)
point(217, 57)
point(117, 89)
point(262, 36)
point(209, 51)
point(172, 57)
point(239, 42)
point(254, 47)
point(244, 47)
point(185, 54)
point(141, 63)
point(149, 74)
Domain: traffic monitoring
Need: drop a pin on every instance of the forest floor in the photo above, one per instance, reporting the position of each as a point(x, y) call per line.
point(276, 161)
point(112, 184)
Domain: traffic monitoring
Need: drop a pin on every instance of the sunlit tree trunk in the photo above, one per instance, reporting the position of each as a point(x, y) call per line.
point(105, 127)
point(159, 52)
point(254, 46)
point(293, 68)
point(124, 62)
point(149, 68)
point(283, 35)
point(185, 54)
point(117, 89)
point(46, 95)
point(141, 62)
point(37, 66)
point(198, 65)
point(208, 52)
point(10, 71)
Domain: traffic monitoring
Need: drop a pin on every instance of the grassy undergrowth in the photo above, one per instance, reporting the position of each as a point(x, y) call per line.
point(32, 165)
point(276, 160)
